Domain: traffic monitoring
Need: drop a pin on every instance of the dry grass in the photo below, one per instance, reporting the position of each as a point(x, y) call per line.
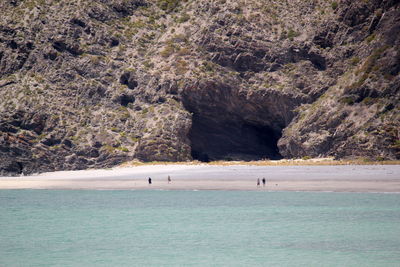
point(284, 162)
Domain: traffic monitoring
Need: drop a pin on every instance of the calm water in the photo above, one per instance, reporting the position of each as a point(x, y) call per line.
point(203, 228)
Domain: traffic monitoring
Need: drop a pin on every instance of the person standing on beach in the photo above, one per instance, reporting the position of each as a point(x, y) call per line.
point(258, 182)
point(263, 181)
point(149, 181)
point(169, 179)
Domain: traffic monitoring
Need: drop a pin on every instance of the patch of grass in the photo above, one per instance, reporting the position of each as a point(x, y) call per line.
point(148, 64)
point(370, 65)
point(179, 38)
point(135, 139)
point(388, 76)
point(54, 147)
point(371, 61)
point(366, 160)
point(292, 34)
point(348, 100)
point(396, 144)
point(208, 66)
point(109, 149)
point(369, 101)
point(354, 61)
point(184, 51)
point(181, 67)
point(183, 18)
point(123, 149)
point(168, 50)
point(370, 38)
point(169, 5)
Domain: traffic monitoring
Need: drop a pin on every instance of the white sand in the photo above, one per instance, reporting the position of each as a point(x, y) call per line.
point(348, 178)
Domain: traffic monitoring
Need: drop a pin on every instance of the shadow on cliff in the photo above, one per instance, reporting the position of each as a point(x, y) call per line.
point(227, 125)
point(219, 139)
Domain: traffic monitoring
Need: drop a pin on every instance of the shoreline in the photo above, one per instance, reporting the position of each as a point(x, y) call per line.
point(331, 178)
point(285, 186)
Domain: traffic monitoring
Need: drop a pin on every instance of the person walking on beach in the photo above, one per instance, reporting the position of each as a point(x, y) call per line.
point(149, 181)
point(258, 182)
point(263, 181)
point(169, 179)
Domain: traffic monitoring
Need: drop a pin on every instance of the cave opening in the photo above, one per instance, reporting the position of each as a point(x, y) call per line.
point(213, 138)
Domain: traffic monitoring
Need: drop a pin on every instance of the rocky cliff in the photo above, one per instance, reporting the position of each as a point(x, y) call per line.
point(95, 83)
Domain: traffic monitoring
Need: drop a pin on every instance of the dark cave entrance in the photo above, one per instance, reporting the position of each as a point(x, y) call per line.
point(214, 138)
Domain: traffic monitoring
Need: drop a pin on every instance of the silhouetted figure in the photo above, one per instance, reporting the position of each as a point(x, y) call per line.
point(169, 179)
point(258, 182)
point(149, 181)
point(263, 181)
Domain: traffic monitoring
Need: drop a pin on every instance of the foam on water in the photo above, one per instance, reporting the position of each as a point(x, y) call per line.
point(205, 228)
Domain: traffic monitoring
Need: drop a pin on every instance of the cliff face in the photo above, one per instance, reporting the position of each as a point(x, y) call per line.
point(95, 83)
point(359, 115)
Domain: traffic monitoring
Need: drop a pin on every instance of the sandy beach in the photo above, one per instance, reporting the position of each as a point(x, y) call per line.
point(351, 178)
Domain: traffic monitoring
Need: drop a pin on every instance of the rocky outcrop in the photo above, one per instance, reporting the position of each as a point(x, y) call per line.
point(94, 83)
point(358, 116)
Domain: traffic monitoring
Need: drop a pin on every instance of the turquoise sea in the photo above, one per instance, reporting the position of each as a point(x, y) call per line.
point(198, 228)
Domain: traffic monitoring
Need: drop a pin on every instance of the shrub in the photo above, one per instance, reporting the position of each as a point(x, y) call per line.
point(135, 139)
point(354, 61)
point(179, 38)
point(181, 66)
point(168, 5)
point(396, 144)
point(369, 101)
point(183, 18)
point(168, 51)
point(334, 5)
point(208, 66)
point(349, 100)
point(370, 38)
point(372, 59)
point(366, 159)
point(108, 148)
point(292, 34)
point(124, 149)
point(183, 51)
point(148, 64)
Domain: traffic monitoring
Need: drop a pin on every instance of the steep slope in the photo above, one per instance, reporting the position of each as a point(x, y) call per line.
point(95, 83)
point(359, 116)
